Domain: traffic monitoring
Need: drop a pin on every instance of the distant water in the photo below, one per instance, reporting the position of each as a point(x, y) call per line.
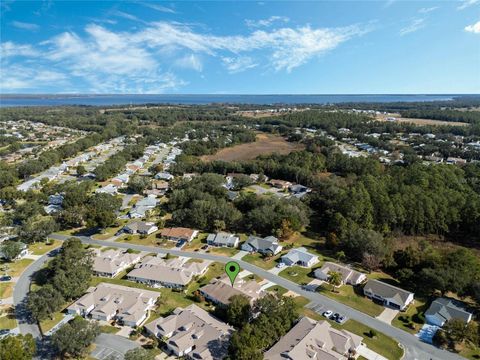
point(109, 100)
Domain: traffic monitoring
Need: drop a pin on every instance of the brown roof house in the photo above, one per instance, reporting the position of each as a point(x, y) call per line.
point(111, 262)
point(349, 276)
point(105, 302)
point(179, 233)
point(310, 339)
point(388, 294)
point(192, 332)
point(220, 291)
point(171, 273)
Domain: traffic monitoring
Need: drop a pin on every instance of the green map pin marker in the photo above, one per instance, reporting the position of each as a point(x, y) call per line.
point(232, 269)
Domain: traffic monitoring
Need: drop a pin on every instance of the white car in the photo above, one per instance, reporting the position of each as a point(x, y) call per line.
point(328, 313)
point(281, 265)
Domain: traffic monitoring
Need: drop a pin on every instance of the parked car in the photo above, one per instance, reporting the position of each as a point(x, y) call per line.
point(334, 316)
point(180, 243)
point(281, 265)
point(341, 319)
point(5, 278)
point(328, 313)
point(204, 247)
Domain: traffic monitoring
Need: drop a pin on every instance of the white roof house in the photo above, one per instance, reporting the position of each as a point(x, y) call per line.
point(388, 294)
point(192, 332)
point(111, 262)
point(223, 239)
point(299, 256)
point(349, 276)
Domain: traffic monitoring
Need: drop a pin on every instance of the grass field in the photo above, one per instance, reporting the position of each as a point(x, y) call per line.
point(346, 295)
point(400, 119)
point(15, 268)
point(265, 144)
point(47, 324)
point(414, 314)
point(7, 318)
point(222, 251)
point(258, 260)
point(41, 248)
point(297, 274)
point(6, 289)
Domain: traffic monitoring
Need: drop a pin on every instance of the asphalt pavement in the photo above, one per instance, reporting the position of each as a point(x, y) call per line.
point(414, 348)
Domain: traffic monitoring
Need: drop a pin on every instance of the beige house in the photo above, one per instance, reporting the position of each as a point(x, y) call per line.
point(128, 306)
point(178, 233)
point(171, 273)
point(310, 339)
point(387, 294)
point(111, 262)
point(349, 276)
point(192, 332)
point(220, 291)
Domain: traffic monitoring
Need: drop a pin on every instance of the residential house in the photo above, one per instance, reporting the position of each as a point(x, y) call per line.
point(23, 252)
point(349, 276)
point(387, 294)
point(172, 273)
point(267, 246)
point(158, 188)
point(310, 339)
point(192, 332)
point(178, 234)
point(163, 175)
point(121, 179)
point(56, 199)
point(108, 189)
point(299, 256)
point(223, 239)
point(142, 206)
point(140, 227)
point(280, 184)
point(219, 291)
point(443, 309)
point(110, 263)
point(106, 302)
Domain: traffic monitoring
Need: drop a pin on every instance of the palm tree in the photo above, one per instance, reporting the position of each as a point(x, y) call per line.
point(335, 279)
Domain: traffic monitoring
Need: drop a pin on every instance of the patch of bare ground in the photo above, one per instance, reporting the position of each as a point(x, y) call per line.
point(398, 118)
point(264, 144)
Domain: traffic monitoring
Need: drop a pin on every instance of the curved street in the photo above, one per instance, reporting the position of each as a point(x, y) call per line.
point(415, 349)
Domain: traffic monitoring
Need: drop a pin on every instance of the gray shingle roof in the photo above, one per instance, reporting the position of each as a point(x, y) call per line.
point(447, 309)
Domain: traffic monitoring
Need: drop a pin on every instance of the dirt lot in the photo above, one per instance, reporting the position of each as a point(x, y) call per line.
point(419, 121)
point(264, 145)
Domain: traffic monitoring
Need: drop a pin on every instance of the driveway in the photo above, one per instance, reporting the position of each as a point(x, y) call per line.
point(276, 270)
point(387, 315)
point(112, 347)
point(415, 349)
point(239, 255)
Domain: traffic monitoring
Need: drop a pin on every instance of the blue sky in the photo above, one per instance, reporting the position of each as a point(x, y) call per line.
point(249, 47)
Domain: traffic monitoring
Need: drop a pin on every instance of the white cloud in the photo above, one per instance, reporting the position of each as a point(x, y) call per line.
point(238, 64)
point(10, 49)
point(415, 25)
point(266, 22)
point(474, 28)
point(18, 77)
point(191, 61)
point(160, 8)
point(135, 61)
point(125, 15)
point(427, 10)
point(25, 26)
point(467, 3)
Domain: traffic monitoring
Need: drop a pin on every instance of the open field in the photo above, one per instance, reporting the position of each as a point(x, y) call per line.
point(15, 268)
point(41, 248)
point(265, 144)
point(400, 119)
point(6, 289)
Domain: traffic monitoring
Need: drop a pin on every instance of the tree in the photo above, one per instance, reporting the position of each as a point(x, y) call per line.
point(238, 311)
point(36, 229)
point(72, 269)
point(138, 354)
point(101, 210)
point(75, 337)
point(137, 184)
point(44, 302)
point(11, 249)
point(370, 261)
point(458, 332)
point(18, 347)
point(335, 279)
point(81, 170)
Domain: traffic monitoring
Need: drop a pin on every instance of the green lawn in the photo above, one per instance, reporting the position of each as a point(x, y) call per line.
point(108, 329)
point(297, 274)
point(110, 231)
point(412, 316)
point(470, 352)
point(352, 297)
point(47, 324)
point(225, 251)
point(15, 268)
point(6, 289)
point(41, 248)
point(277, 289)
point(196, 243)
point(382, 344)
point(150, 240)
point(7, 318)
point(258, 260)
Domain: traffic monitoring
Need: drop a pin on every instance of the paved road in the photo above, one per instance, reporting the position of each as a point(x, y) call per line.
point(26, 324)
point(415, 349)
point(110, 346)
